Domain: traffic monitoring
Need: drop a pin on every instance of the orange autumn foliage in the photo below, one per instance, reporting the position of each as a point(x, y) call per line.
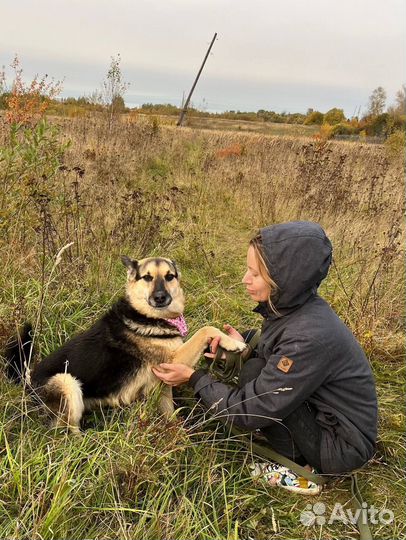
point(232, 150)
point(27, 103)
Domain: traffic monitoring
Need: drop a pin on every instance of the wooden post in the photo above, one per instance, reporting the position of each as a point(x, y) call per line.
point(183, 112)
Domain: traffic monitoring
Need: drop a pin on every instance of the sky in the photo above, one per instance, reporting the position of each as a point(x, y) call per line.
point(281, 55)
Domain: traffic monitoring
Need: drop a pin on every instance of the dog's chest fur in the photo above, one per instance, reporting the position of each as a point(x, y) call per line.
point(149, 344)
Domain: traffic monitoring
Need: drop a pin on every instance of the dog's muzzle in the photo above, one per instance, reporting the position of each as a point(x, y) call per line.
point(160, 299)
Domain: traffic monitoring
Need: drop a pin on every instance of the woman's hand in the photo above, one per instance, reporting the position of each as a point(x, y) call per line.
point(232, 332)
point(173, 374)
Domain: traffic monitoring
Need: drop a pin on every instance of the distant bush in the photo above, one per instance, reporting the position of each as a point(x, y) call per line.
point(165, 108)
point(73, 107)
point(334, 116)
point(119, 105)
point(379, 125)
point(314, 118)
point(345, 129)
point(395, 144)
point(326, 132)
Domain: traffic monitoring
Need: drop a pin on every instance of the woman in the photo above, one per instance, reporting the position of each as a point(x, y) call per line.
point(309, 387)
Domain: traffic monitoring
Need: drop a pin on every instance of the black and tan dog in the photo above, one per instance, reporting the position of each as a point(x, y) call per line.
point(110, 363)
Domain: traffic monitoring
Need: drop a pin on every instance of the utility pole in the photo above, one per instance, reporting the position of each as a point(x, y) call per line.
point(183, 112)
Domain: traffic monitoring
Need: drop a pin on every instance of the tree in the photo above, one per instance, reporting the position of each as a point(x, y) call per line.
point(315, 117)
point(334, 116)
point(4, 94)
point(380, 125)
point(400, 102)
point(3, 86)
point(377, 101)
point(113, 89)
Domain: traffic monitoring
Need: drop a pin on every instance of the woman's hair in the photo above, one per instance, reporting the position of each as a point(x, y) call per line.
point(256, 243)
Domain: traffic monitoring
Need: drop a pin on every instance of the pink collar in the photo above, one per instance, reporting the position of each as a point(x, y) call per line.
point(180, 324)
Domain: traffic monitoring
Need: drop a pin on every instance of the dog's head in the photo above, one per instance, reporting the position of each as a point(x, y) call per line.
point(153, 287)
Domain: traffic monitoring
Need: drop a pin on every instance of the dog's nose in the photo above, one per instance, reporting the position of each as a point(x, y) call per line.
point(161, 298)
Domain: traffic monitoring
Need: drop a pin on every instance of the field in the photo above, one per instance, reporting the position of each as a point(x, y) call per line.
point(144, 188)
point(241, 126)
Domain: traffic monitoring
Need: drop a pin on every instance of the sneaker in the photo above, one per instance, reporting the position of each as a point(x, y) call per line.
point(278, 475)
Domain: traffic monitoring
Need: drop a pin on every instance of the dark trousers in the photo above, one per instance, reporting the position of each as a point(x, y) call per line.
point(298, 437)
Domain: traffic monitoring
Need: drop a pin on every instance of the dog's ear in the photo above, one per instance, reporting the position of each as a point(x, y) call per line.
point(177, 273)
point(132, 266)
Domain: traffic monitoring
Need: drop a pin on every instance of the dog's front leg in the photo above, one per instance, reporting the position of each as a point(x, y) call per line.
point(166, 405)
point(190, 352)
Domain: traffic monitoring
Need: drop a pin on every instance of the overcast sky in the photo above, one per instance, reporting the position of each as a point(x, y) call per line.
point(270, 54)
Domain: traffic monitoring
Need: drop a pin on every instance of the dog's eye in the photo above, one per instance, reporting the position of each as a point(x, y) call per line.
point(169, 277)
point(147, 277)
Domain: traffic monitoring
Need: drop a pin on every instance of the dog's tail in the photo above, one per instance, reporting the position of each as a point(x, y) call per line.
point(17, 354)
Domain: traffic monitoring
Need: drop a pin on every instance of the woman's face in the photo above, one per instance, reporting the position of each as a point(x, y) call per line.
point(256, 286)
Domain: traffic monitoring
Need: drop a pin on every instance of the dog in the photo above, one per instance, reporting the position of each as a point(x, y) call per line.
point(110, 363)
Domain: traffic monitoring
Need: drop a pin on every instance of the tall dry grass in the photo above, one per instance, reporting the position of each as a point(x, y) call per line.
point(147, 188)
point(142, 188)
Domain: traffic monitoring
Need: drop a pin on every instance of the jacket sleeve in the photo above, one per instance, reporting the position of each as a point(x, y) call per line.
point(275, 393)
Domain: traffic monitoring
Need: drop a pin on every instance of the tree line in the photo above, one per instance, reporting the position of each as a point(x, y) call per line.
point(379, 120)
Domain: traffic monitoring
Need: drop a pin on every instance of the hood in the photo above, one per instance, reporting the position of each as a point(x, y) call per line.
point(298, 255)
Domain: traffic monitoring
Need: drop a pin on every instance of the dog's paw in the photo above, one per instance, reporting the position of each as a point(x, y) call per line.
point(232, 345)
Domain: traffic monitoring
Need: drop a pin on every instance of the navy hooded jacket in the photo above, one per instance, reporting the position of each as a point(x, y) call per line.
point(311, 355)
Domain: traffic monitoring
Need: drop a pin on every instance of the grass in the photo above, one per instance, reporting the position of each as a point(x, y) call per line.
point(146, 188)
point(225, 124)
point(246, 126)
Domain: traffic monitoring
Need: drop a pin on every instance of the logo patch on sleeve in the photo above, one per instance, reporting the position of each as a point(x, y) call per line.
point(285, 364)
